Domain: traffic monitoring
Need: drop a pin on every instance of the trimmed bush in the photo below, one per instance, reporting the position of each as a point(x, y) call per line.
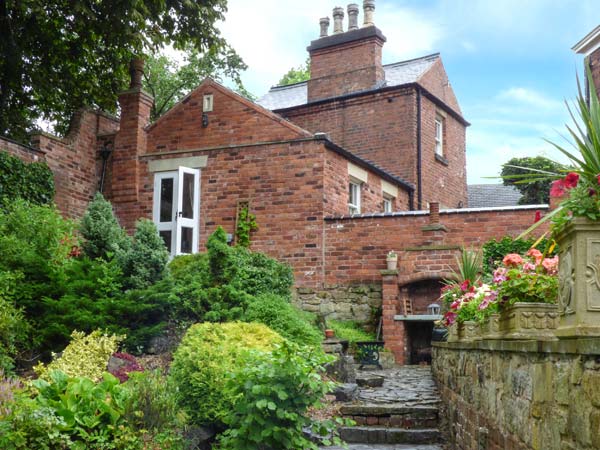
point(86, 356)
point(103, 236)
point(145, 262)
point(206, 355)
point(32, 182)
point(281, 316)
point(350, 331)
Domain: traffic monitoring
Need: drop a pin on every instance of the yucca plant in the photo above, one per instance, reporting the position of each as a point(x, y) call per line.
point(470, 266)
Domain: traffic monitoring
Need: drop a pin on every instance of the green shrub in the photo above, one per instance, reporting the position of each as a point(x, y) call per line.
point(102, 235)
point(350, 331)
point(281, 316)
point(145, 262)
point(33, 182)
point(273, 393)
point(494, 251)
point(207, 353)
point(86, 356)
point(14, 328)
point(258, 274)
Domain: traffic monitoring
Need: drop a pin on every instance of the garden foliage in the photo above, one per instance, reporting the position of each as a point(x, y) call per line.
point(495, 250)
point(351, 331)
point(273, 393)
point(32, 182)
point(14, 328)
point(206, 355)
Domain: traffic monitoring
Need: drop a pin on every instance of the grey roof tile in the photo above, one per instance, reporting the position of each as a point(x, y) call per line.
point(396, 74)
point(492, 195)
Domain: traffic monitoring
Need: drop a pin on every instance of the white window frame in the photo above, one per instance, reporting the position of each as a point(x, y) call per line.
point(354, 194)
point(387, 204)
point(439, 136)
point(178, 222)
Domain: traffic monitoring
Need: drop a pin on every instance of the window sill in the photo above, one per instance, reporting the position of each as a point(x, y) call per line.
point(441, 159)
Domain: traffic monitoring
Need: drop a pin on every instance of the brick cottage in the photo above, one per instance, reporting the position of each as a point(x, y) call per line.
point(361, 159)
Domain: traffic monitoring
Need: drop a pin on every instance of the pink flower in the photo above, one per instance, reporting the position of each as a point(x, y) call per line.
point(529, 267)
point(551, 265)
point(536, 255)
point(512, 260)
point(455, 304)
point(571, 180)
point(464, 286)
point(499, 275)
point(557, 189)
point(450, 317)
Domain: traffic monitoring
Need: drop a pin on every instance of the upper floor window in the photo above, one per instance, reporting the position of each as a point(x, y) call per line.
point(387, 205)
point(439, 136)
point(354, 197)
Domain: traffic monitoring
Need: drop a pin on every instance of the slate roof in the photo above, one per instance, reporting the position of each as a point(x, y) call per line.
point(492, 195)
point(397, 74)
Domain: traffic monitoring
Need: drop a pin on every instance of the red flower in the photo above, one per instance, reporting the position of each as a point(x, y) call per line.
point(538, 216)
point(598, 178)
point(557, 189)
point(464, 285)
point(571, 180)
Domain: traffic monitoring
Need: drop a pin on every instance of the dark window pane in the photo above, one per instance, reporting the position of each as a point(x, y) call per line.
point(166, 200)
point(188, 196)
point(187, 235)
point(166, 236)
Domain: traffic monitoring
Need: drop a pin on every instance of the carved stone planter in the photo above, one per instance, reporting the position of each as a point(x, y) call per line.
point(490, 329)
point(579, 279)
point(469, 331)
point(529, 321)
point(453, 332)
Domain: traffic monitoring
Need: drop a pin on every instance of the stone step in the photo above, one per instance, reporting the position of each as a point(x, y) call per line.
point(386, 435)
point(413, 417)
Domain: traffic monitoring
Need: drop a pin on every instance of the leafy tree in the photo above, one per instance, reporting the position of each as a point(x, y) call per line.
point(536, 171)
point(58, 55)
point(169, 80)
point(296, 74)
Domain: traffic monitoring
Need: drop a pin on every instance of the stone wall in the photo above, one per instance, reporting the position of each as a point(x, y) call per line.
point(358, 302)
point(520, 395)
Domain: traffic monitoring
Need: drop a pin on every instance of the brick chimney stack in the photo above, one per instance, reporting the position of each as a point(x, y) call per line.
point(130, 144)
point(349, 61)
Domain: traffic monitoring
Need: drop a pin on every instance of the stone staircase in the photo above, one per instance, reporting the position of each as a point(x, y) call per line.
point(402, 413)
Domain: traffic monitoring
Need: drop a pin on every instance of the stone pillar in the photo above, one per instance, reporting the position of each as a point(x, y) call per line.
point(338, 20)
point(369, 10)
point(324, 22)
point(352, 16)
point(394, 334)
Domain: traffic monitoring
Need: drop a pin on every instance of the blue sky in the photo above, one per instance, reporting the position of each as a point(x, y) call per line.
point(510, 61)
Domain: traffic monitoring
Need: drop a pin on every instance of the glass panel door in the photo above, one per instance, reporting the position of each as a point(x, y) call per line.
point(177, 209)
point(188, 206)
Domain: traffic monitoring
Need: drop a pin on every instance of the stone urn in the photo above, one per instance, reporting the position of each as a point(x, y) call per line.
point(524, 320)
point(579, 279)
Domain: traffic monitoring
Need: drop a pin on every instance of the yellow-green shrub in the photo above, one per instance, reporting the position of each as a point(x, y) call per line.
point(85, 356)
point(208, 354)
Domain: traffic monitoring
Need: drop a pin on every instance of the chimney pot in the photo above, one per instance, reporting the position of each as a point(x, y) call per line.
point(369, 9)
point(324, 22)
point(338, 20)
point(352, 16)
point(136, 71)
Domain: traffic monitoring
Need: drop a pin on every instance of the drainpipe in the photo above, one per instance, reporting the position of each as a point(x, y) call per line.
point(419, 169)
point(104, 154)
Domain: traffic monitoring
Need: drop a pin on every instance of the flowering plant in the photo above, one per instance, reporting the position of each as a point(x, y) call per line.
point(392, 254)
point(529, 278)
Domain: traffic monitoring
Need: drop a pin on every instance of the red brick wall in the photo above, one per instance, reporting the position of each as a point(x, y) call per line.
point(435, 80)
point(21, 151)
point(379, 127)
point(355, 249)
point(341, 69)
point(336, 189)
point(444, 179)
point(74, 160)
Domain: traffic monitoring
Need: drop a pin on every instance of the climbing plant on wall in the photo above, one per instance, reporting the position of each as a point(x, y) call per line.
point(33, 182)
point(246, 224)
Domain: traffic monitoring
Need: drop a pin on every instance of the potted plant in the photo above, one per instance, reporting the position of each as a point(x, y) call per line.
point(392, 260)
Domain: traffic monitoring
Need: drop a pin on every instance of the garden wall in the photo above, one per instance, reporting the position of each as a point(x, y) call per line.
point(358, 302)
point(521, 395)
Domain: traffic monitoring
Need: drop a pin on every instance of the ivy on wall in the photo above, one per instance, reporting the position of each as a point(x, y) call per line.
point(246, 224)
point(33, 182)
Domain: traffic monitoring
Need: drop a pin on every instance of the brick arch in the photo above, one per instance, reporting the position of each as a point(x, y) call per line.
point(424, 276)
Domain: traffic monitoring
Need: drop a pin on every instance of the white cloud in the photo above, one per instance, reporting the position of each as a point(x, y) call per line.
point(529, 97)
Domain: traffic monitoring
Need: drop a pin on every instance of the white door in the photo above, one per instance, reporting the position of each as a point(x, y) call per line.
point(177, 209)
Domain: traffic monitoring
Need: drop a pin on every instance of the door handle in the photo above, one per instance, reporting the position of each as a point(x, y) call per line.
point(179, 213)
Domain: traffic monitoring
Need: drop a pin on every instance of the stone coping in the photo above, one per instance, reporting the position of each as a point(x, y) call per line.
point(579, 346)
